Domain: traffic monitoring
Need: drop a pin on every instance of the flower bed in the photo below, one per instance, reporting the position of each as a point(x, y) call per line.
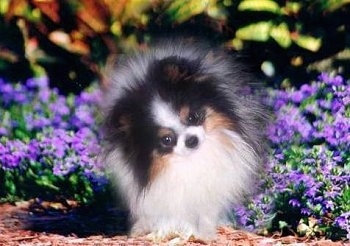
point(307, 187)
point(49, 144)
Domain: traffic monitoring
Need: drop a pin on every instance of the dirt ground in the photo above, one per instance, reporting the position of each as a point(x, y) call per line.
point(54, 224)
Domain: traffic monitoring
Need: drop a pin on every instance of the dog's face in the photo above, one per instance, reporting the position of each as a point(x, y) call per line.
point(170, 114)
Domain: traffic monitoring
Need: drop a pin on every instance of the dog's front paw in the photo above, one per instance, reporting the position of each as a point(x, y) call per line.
point(169, 235)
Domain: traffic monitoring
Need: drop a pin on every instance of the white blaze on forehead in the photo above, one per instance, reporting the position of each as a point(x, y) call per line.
point(165, 116)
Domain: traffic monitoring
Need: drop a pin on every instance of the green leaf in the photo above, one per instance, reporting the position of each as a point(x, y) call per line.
point(282, 224)
point(10, 186)
point(45, 182)
point(281, 35)
point(4, 6)
point(74, 179)
point(292, 8)
point(308, 42)
point(259, 5)
point(333, 5)
point(181, 11)
point(255, 32)
point(343, 200)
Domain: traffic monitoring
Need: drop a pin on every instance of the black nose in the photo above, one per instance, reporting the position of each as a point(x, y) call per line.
point(191, 142)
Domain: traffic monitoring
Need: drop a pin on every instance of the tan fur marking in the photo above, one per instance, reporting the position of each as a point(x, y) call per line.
point(214, 120)
point(164, 131)
point(159, 163)
point(184, 112)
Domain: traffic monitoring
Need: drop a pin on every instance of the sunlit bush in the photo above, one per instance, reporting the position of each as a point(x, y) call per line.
point(70, 41)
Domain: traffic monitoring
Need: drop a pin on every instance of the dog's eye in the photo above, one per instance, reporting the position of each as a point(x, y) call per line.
point(167, 141)
point(195, 118)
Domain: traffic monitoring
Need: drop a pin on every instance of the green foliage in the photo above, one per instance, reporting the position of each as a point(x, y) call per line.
point(297, 38)
point(279, 27)
point(36, 180)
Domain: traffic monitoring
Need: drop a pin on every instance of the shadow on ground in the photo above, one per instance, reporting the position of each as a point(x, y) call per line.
point(81, 221)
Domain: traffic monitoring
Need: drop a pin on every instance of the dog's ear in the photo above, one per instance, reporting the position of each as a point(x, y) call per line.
point(174, 70)
point(113, 62)
point(117, 125)
point(123, 124)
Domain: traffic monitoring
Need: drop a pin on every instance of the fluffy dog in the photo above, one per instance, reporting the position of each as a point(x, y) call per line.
point(184, 137)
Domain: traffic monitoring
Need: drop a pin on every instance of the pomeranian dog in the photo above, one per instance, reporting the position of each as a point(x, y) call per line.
point(184, 137)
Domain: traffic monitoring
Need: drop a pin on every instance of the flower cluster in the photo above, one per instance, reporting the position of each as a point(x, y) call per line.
point(48, 142)
point(31, 107)
point(309, 167)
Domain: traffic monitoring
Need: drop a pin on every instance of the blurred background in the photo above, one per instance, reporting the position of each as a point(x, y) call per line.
point(284, 42)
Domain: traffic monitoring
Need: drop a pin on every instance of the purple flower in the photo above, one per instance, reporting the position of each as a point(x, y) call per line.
point(336, 106)
point(3, 131)
point(307, 90)
point(7, 89)
point(40, 82)
point(297, 96)
point(59, 107)
point(44, 95)
point(294, 203)
point(12, 153)
point(20, 97)
point(89, 98)
point(343, 221)
point(83, 117)
point(329, 205)
point(40, 122)
point(280, 132)
point(305, 211)
point(6, 92)
point(63, 167)
point(33, 150)
point(337, 133)
point(331, 80)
